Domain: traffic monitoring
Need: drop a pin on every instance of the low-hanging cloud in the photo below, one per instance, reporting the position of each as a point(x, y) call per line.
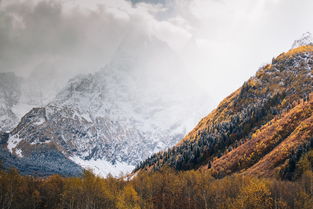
point(221, 43)
point(32, 33)
point(49, 42)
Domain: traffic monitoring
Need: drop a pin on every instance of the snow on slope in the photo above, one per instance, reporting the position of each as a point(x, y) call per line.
point(18, 95)
point(306, 39)
point(104, 168)
point(13, 142)
point(139, 104)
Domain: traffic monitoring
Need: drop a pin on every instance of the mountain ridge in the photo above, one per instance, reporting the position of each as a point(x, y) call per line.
point(114, 118)
point(274, 89)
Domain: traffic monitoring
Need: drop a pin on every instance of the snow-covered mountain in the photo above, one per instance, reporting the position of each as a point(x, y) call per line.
point(18, 95)
point(306, 39)
point(112, 119)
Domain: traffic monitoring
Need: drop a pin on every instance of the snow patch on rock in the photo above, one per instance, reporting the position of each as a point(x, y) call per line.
point(19, 152)
point(13, 142)
point(40, 121)
point(306, 39)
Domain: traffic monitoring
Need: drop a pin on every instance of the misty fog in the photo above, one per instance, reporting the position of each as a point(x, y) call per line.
point(47, 42)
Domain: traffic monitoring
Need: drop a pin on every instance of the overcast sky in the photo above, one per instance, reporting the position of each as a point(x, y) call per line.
point(221, 42)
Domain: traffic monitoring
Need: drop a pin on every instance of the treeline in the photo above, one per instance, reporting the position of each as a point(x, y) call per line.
point(276, 88)
point(216, 140)
point(163, 189)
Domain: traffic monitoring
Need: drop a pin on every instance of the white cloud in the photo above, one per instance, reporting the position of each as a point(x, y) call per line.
point(221, 42)
point(68, 29)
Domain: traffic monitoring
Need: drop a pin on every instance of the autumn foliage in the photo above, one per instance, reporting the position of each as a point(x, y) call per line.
point(261, 129)
point(164, 189)
point(272, 148)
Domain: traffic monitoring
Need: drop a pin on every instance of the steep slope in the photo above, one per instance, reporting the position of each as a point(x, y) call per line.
point(273, 90)
point(111, 120)
point(41, 160)
point(18, 95)
point(272, 147)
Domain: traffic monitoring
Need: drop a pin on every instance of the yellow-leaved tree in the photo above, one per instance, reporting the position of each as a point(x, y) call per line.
point(255, 195)
point(128, 198)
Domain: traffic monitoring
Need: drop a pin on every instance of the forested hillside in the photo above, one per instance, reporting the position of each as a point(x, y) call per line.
point(270, 115)
point(273, 149)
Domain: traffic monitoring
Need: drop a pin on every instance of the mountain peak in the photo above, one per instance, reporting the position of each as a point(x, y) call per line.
point(306, 39)
point(277, 92)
